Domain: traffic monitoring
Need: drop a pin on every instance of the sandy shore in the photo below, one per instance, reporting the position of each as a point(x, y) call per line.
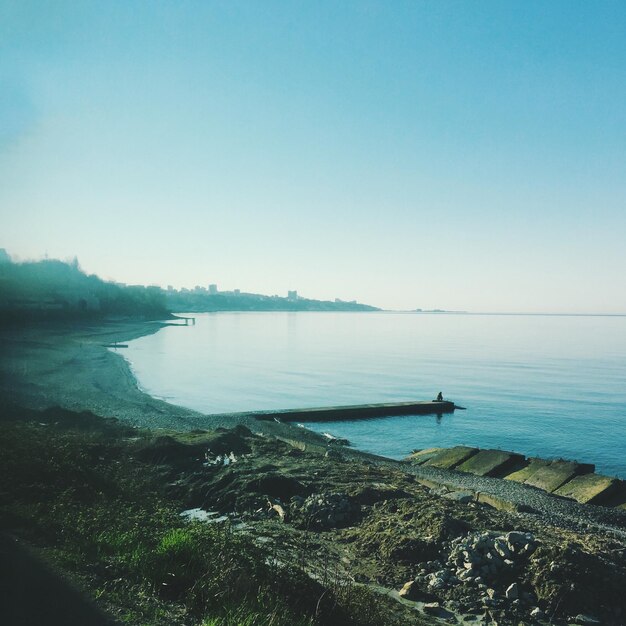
point(70, 367)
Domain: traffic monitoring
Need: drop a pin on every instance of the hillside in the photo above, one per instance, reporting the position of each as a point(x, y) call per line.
point(54, 290)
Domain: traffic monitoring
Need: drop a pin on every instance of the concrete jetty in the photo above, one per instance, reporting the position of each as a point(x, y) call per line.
point(358, 411)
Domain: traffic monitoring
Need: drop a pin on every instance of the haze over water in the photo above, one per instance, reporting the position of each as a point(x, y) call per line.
point(550, 386)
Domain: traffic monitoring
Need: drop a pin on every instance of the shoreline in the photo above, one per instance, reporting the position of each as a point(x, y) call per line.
point(69, 367)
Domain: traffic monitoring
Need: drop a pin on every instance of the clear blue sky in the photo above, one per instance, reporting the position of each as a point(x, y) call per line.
point(460, 155)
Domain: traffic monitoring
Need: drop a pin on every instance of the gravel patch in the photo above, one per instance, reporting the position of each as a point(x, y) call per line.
point(554, 510)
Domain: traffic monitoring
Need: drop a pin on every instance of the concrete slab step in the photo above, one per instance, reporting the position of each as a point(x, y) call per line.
point(557, 473)
point(449, 458)
point(501, 504)
point(523, 474)
point(421, 456)
point(589, 488)
point(496, 463)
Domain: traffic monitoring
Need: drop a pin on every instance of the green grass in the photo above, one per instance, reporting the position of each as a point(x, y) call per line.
point(105, 518)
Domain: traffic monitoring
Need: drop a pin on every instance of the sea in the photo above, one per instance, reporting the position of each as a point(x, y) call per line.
point(542, 385)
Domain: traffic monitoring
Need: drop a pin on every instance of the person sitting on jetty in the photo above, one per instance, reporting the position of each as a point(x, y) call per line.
point(440, 397)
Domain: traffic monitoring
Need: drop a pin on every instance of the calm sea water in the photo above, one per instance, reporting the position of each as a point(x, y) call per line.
point(550, 386)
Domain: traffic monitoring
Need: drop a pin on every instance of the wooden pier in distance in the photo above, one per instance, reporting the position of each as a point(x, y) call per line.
point(359, 411)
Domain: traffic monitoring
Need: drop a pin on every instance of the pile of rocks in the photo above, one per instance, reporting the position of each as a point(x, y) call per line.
point(484, 557)
point(480, 571)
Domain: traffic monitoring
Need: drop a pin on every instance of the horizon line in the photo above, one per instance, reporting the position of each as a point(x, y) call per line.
point(512, 313)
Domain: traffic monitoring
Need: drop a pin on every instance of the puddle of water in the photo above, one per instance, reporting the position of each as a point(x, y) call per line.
point(211, 517)
point(200, 515)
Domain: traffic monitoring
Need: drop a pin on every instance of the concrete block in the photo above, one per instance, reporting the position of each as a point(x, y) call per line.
point(421, 456)
point(523, 474)
point(589, 488)
point(449, 458)
point(491, 463)
point(501, 504)
point(464, 497)
point(557, 473)
point(433, 485)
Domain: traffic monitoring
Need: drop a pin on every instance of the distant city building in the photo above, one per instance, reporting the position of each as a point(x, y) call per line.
point(199, 289)
point(212, 289)
point(170, 287)
point(237, 292)
point(292, 295)
point(4, 256)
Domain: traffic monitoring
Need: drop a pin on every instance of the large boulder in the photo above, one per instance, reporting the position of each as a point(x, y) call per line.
point(324, 511)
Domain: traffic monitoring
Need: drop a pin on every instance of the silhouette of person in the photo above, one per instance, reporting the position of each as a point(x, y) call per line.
point(440, 397)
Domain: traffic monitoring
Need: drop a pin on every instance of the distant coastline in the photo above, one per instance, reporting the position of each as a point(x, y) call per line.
point(441, 311)
point(200, 301)
point(52, 290)
point(56, 291)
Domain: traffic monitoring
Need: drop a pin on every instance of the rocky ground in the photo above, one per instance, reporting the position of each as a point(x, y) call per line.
point(433, 550)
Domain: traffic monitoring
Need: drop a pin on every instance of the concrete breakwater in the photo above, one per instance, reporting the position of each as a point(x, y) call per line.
point(359, 411)
point(567, 479)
